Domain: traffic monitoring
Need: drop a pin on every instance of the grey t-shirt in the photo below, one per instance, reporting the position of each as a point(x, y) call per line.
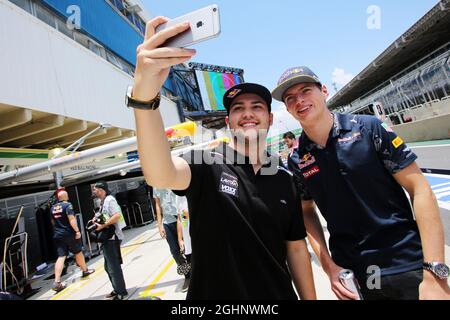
point(111, 207)
point(168, 205)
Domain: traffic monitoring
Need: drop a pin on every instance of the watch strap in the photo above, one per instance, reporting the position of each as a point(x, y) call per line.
point(143, 105)
point(428, 266)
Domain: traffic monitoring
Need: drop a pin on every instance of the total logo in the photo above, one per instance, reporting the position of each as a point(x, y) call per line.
point(311, 172)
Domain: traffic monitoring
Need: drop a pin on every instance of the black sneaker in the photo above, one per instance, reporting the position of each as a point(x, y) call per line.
point(185, 286)
point(120, 297)
point(87, 273)
point(111, 295)
point(58, 286)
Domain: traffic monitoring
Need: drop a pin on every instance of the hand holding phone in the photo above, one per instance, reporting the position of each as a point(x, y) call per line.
point(204, 24)
point(162, 48)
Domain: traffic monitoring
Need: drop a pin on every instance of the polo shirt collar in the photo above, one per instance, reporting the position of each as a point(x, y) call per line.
point(341, 122)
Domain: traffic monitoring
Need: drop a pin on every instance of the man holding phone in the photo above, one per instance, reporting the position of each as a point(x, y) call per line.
point(247, 242)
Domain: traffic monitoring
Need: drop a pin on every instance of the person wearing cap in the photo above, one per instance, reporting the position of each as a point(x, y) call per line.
point(67, 237)
point(247, 233)
point(111, 247)
point(355, 168)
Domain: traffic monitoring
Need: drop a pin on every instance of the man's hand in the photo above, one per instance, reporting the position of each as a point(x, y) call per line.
point(100, 226)
point(432, 288)
point(181, 244)
point(162, 232)
point(153, 63)
point(336, 285)
point(77, 235)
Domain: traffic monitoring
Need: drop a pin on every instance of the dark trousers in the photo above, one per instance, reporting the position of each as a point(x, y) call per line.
point(402, 286)
point(172, 240)
point(113, 260)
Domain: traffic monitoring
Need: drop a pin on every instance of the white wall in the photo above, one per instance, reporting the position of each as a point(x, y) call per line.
point(44, 70)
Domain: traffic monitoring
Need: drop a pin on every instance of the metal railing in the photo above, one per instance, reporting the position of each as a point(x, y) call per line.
point(17, 250)
point(134, 215)
point(420, 112)
point(138, 206)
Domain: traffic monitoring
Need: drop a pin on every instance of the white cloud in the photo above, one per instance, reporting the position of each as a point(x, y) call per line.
point(340, 77)
point(282, 121)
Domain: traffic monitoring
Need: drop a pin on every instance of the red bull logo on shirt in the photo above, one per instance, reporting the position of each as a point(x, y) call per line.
point(307, 160)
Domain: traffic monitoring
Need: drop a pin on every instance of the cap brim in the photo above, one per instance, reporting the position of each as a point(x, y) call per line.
point(247, 87)
point(278, 92)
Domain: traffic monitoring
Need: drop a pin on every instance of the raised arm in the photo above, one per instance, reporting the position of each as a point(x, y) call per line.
point(152, 69)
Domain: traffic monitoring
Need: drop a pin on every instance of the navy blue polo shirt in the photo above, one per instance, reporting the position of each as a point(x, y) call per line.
point(60, 212)
point(367, 212)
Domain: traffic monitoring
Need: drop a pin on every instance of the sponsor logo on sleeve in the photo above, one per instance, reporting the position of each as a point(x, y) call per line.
point(397, 142)
point(311, 172)
point(229, 184)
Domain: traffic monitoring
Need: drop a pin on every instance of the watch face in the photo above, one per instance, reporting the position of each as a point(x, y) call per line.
point(442, 270)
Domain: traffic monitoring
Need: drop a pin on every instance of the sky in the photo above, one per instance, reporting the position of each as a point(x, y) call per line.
point(337, 39)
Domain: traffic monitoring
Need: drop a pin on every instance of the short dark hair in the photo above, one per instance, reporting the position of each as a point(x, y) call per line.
point(289, 135)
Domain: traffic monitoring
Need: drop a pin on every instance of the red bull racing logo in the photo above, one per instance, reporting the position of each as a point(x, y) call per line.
point(307, 160)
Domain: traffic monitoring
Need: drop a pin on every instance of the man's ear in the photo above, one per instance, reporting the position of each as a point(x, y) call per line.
point(227, 120)
point(271, 119)
point(325, 91)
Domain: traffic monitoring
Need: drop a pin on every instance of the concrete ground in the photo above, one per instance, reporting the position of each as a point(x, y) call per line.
point(149, 271)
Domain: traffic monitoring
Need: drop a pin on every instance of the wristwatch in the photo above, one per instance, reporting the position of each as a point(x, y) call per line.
point(143, 105)
point(440, 269)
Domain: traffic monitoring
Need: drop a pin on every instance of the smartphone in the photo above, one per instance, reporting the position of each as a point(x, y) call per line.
point(205, 24)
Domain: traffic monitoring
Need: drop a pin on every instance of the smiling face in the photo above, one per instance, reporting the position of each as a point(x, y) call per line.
point(306, 102)
point(249, 117)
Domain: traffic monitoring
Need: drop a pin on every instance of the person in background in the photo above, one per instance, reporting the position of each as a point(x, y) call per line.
point(184, 238)
point(289, 140)
point(166, 216)
point(111, 247)
point(67, 238)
